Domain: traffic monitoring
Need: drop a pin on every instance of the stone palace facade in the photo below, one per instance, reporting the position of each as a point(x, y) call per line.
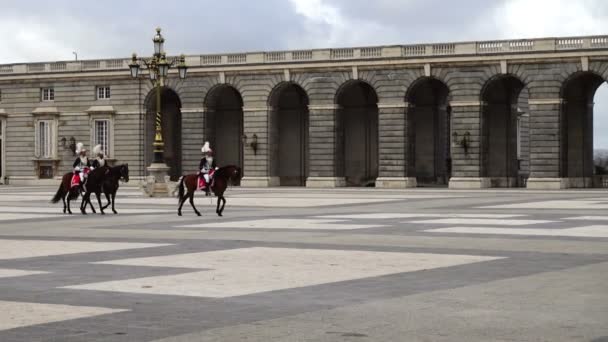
point(515, 113)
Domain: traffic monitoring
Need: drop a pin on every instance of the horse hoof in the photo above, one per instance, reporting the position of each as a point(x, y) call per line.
point(199, 214)
point(219, 214)
point(179, 214)
point(102, 213)
point(115, 212)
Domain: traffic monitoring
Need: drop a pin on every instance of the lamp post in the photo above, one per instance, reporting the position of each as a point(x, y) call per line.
point(158, 69)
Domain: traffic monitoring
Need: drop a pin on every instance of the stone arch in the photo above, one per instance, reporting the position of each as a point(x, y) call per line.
point(288, 133)
point(501, 115)
point(224, 123)
point(357, 127)
point(428, 131)
point(576, 117)
point(171, 123)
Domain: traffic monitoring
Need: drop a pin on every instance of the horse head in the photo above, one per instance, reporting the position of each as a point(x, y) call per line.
point(124, 172)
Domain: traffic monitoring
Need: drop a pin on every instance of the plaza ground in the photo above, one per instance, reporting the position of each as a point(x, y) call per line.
point(308, 265)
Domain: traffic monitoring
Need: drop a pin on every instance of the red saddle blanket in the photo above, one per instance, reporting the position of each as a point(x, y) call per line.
point(75, 180)
point(201, 180)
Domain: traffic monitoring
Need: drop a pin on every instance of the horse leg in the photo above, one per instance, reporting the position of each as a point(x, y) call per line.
point(223, 205)
point(181, 204)
point(69, 209)
point(91, 204)
point(83, 204)
point(107, 199)
point(192, 203)
point(98, 195)
point(64, 206)
point(114, 202)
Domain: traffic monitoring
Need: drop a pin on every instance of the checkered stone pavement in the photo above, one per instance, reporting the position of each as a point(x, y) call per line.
point(308, 265)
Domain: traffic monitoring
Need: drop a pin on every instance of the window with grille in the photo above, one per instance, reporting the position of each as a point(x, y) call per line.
point(103, 93)
point(102, 134)
point(47, 94)
point(44, 139)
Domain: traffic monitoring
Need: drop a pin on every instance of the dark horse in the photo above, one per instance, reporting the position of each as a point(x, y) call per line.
point(221, 179)
point(67, 191)
point(104, 179)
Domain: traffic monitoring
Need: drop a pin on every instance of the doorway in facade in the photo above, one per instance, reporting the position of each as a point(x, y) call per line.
point(578, 163)
point(289, 135)
point(428, 132)
point(358, 133)
point(503, 132)
point(224, 125)
point(171, 129)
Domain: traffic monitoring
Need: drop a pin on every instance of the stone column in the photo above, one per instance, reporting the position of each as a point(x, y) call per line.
point(393, 147)
point(257, 149)
point(324, 169)
point(545, 145)
point(466, 146)
point(193, 138)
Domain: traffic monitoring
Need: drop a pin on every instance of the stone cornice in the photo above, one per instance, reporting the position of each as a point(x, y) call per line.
point(100, 110)
point(387, 105)
point(329, 106)
point(46, 111)
point(3, 114)
point(255, 109)
point(466, 104)
point(545, 101)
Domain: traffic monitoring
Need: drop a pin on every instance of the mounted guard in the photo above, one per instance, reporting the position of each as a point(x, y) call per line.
point(207, 168)
point(81, 166)
point(100, 157)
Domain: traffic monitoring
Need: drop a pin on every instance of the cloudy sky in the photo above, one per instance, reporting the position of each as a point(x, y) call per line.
point(38, 30)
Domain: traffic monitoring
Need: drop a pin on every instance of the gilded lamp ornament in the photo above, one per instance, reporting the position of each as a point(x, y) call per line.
point(158, 67)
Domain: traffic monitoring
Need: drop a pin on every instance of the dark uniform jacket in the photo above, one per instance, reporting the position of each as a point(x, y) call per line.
point(79, 162)
point(203, 164)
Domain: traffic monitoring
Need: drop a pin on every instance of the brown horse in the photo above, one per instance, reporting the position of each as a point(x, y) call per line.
point(222, 177)
point(67, 191)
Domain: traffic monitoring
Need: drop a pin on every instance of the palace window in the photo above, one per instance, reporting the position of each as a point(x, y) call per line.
point(45, 138)
point(103, 93)
point(47, 94)
point(101, 134)
point(0, 95)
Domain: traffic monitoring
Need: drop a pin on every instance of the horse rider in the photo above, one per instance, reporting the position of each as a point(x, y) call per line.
point(100, 160)
point(81, 164)
point(207, 166)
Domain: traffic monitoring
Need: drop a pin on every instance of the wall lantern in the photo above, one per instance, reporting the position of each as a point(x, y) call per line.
point(463, 142)
point(253, 144)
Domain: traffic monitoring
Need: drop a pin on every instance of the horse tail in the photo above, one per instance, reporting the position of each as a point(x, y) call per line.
point(181, 188)
point(59, 195)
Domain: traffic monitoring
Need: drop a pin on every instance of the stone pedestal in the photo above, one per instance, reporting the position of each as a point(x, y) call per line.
point(469, 183)
point(325, 182)
point(157, 184)
point(396, 182)
point(547, 183)
point(260, 182)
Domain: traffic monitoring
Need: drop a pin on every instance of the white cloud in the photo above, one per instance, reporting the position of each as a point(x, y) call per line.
point(545, 18)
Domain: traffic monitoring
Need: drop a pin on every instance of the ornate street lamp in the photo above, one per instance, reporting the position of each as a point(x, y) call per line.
point(158, 69)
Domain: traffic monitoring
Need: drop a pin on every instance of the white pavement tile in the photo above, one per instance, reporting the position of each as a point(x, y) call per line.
point(312, 224)
point(587, 218)
point(9, 273)
point(24, 216)
point(18, 314)
point(557, 204)
point(57, 209)
point(245, 271)
point(17, 249)
point(495, 222)
point(374, 216)
point(588, 231)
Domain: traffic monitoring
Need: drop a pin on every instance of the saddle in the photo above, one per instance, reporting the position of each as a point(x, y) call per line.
point(76, 178)
point(202, 183)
